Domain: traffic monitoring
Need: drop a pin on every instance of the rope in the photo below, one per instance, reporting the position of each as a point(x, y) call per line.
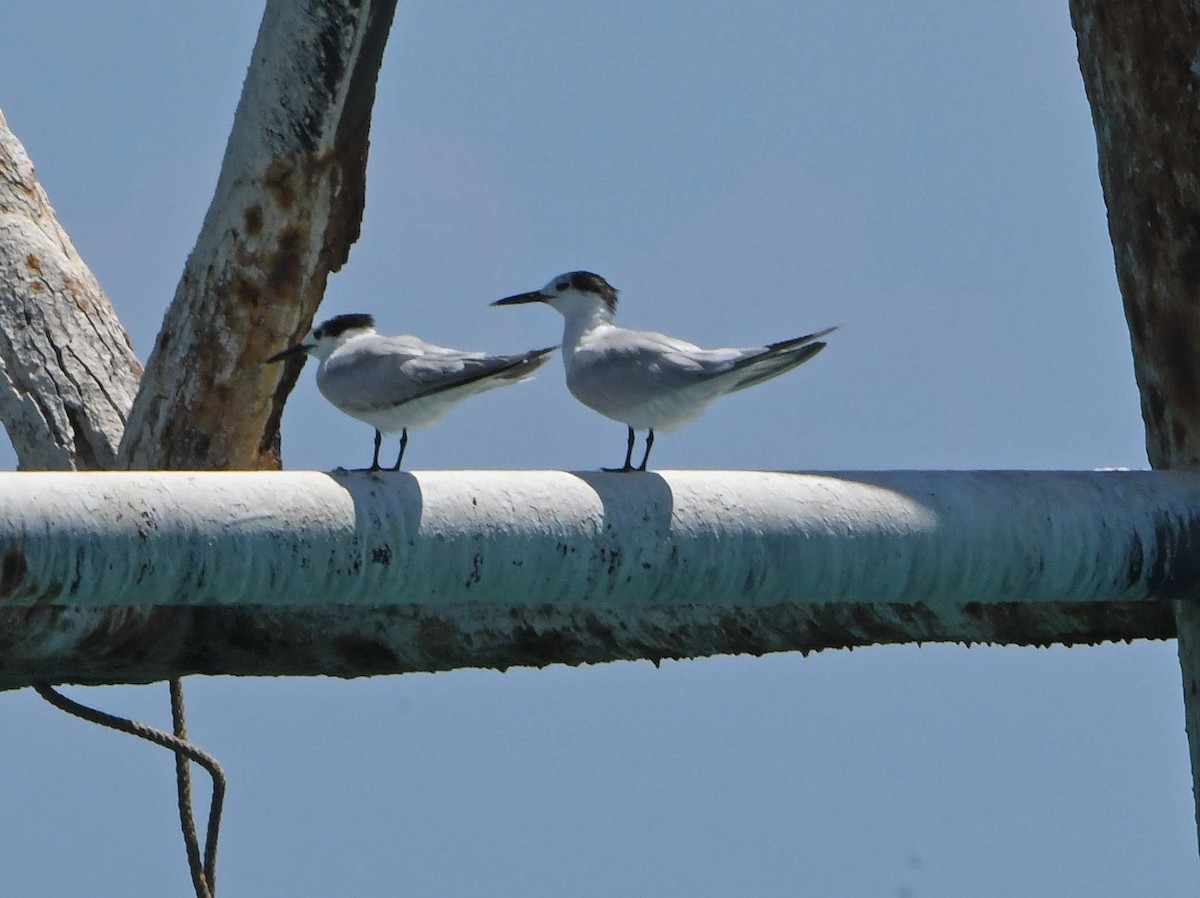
point(203, 876)
point(204, 879)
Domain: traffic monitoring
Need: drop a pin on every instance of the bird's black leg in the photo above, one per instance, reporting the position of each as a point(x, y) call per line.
point(403, 446)
point(649, 443)
point(375, 457)
point(628, 466)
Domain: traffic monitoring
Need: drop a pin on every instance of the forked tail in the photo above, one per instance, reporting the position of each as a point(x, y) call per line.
point(778, 358)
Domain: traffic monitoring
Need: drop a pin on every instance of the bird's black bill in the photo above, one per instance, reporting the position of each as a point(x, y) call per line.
point(535, 296)
point(298, 349)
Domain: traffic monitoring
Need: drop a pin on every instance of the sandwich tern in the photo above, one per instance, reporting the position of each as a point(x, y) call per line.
point(400, 383)
point(645, 380)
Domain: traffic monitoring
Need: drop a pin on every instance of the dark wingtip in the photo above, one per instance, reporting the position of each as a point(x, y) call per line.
point(535, 358)
point(800, 341)
point(807, 351)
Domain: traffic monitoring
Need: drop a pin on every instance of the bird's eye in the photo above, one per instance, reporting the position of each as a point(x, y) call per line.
point(561, 286)
point(317, 333)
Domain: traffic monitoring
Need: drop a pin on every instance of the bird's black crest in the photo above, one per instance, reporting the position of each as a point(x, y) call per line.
point(339, 324)
point(587, 282)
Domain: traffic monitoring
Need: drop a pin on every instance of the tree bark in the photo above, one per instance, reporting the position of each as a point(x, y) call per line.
point(68, 376)
point(287, 207)
point(1141, 71)
point(68, 373)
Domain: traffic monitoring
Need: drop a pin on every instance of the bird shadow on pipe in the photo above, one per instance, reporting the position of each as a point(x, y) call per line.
point(639, 503)
point(632, 501)
point(380, 499)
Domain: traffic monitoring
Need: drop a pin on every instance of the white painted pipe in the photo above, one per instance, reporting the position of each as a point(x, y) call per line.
point(671, 538)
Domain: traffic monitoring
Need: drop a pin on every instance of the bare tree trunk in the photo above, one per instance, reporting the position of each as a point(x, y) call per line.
point(67, 380)
point(1142, 75)
point(68, 374)
point(287, 208)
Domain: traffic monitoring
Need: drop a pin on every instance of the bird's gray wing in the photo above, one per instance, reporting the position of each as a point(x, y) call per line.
point(387, 374)
point(626, 369)
point(629, 368)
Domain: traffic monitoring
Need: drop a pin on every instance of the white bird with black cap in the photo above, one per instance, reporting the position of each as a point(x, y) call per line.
point(645, 380)
point(398, 384)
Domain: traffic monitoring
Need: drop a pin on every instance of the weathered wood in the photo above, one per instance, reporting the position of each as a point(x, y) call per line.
point(287, 207)
point(68, 373)
point(1141, 71)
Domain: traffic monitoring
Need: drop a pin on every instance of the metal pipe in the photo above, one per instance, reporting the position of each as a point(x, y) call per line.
point(473, 568)
point(682, 537)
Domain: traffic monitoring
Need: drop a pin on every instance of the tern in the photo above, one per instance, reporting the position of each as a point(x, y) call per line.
point(645, 380)
point(397, 384)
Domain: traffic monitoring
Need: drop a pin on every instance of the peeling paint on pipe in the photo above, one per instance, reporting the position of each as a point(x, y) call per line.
point(356, 573)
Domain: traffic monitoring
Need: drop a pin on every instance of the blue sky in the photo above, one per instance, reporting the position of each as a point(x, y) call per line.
point(923, 173)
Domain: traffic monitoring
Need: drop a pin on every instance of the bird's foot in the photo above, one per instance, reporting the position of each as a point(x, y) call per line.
point(624, 470)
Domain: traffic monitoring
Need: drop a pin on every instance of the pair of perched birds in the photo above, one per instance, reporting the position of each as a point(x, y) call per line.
point(645, 380)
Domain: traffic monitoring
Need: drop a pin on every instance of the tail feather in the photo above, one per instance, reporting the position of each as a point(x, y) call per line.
point(772, 363)
point(797, 341)
point(509, 369)
point(524, 364)
point(776, 358)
